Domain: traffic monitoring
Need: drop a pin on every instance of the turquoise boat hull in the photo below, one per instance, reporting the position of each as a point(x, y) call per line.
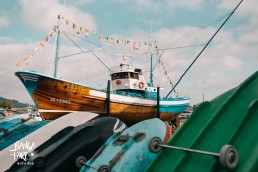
point(20, 132)
point(128, 150)
point(11, 123)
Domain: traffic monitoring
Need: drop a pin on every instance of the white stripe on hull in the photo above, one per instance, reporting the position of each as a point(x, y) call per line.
point(134, 100)
point(28, 77)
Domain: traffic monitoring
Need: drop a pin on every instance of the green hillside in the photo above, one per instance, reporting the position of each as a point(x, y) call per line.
point(8, 103)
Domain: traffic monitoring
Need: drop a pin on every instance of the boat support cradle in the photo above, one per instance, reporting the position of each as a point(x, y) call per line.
point(228, 156)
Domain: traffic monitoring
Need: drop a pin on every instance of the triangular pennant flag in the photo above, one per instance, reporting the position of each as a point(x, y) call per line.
point(74, 26)
point(42, 44)
point(100, 37)
point(112, 40)
point(46, 38)
point(134, 45)
point(25, 59)
point(87, 30)
point(67, 22)
point(19, 63)
point(50, 34)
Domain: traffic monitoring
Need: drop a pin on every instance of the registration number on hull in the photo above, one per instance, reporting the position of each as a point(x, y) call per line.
point(63, 101)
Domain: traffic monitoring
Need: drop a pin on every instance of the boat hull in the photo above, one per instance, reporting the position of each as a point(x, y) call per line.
point(230, 118)
point(50, 93)
point(128, 150)
point(60, 152)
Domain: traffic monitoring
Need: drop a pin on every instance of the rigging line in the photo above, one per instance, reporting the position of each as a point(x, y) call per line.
point(95, 49)
point(141, 55)
point(204, 47)
point(50, 60)
point(187, 46)
point(86, 52)
point(82, 39)
point(201, 28)
point(163, 49)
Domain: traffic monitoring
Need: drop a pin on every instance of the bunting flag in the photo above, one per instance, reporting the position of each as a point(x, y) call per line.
point(19, 63)
point(163, 67)
point(41, 45)
point(25, 59)
point(85, 31)
point(74, 26)
point(136, 45)
point(112, 40)
point(100, 37)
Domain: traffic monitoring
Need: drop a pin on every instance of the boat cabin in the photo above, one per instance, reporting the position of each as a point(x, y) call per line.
point(129, 79)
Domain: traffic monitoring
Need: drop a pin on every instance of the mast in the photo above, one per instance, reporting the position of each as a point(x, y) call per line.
point(204, 47)
point(151, 72)
point(57, 46)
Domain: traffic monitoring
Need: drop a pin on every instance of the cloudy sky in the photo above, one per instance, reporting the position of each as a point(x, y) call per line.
point(180, 28)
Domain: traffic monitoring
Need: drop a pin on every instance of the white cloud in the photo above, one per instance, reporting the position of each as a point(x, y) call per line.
point(42, 15)
point(247, 8)
point(159, 6)
point(4, 21)
point(81, 2)
point(6, 39)
point(189, 4)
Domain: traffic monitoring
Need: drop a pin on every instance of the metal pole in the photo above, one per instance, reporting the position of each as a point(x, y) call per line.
point(108, 98)
point(57, 46)
point(190, 150)
point(204, 48)
point(158, 111)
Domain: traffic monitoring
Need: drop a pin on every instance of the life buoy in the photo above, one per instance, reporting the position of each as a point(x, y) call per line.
point(118, 82)
point(141, 85)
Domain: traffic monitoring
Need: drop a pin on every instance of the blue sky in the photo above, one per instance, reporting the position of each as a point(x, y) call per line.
point(230, 59)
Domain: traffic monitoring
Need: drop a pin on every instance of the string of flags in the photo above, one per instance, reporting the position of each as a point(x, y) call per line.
point(41, 45)
point(164, 68)
point(136, 45)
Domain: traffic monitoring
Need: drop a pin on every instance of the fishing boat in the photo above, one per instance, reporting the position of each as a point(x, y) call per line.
point(129, 96)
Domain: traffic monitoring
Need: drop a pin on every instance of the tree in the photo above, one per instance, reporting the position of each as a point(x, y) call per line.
point(9, 104)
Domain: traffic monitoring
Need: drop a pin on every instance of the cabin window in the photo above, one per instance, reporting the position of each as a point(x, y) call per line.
point(113, 77)
point(134, 75)
point(120, 75)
